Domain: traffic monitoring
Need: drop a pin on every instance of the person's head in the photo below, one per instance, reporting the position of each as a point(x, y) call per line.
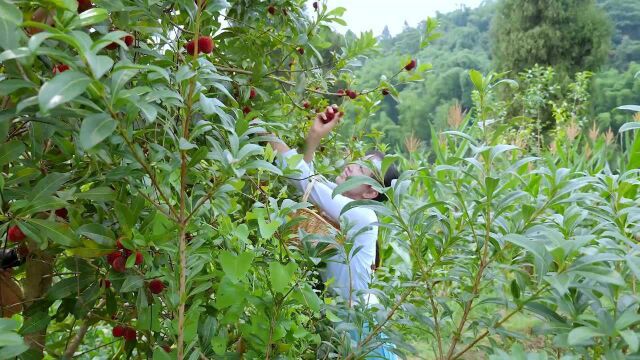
point(366, 191)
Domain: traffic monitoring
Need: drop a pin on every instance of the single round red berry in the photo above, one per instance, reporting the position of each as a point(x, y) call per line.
point(340, 92)
point(128, 39)
point(352, 94)
point(112, 256)
point(246, 110)
point(84, 5)
point(60, 68)
point(139, 258)
point(166, 348)
point(119, 264)
point(411, 65)
point(129, 334)
point(306, 105)
point(14, 234)
point(205, 44)
point(156, 286)
point(190, 47)
point(300, 50)
point(385, 91)
point(271, 9)
point(252, 93)
point(118, 331)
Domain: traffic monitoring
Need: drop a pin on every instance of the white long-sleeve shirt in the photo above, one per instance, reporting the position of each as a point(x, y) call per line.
point(356, 274)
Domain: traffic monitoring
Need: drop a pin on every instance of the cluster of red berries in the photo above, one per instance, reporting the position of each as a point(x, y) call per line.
point(252, 94)
point(350, 93)
point(118, 259)
point(205, 45)
point(128, 333)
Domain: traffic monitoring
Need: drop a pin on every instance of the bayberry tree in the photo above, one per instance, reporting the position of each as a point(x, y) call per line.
point(148, 214)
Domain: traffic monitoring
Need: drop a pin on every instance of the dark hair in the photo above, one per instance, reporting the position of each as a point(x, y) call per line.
point(391, 174)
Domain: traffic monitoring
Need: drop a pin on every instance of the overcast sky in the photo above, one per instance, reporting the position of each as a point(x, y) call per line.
point(362, 15)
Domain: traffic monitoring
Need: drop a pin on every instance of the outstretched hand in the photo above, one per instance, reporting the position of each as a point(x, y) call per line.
point(326, 121)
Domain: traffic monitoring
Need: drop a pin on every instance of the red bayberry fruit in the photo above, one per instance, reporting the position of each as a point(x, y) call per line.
point(156, 286)
point(106, 283)
point(112, 46)
point(60, 68)
point(114, 255)
point(139, 258)
point(411, 65)
point(166, 348)
point(190, 47)
point(340, 92)
point(252, 93)
point(352, 94)
point(118, 331)
point(118, 264)
point(128, 39)
point(84, 5)
point(15, 234)
point(329, 115)
point(246, 110)
point(306, 105)
point(63, 213)
point(129, 334)
point(385, 91)
point(315, 5)
point(271, 9)
point(205, 44)
point(300, 50)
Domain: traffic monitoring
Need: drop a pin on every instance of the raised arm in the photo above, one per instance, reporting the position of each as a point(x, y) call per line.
point(321, 127)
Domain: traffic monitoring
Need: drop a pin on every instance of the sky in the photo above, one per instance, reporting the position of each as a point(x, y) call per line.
point(362, 15)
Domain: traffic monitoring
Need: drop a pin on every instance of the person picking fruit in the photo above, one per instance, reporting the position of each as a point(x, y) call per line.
point(349, 276)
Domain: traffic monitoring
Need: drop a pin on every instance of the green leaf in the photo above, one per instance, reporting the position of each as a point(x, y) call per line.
point(10, 151)
point(10, 339)
point(263, 165)
point(98, 233)
point(148, 110)
point(57, 232)
point(629, 126)
point(101, 193)
point(10, 12)
point(267, 229)
point(10, 352)
point(92, 16)
point(9, 38)
point(634, 108)
point(235, 266)
point(160, 354)
point(476, 79)
point(132, 282)
point(186, 145)
point(631, 338)
point(48, 185)
point(281, 275)
point(36, 322)
point(99, 65)
point(583, 334)
point(355, 181)
point(61, 89)
point(95, 128)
